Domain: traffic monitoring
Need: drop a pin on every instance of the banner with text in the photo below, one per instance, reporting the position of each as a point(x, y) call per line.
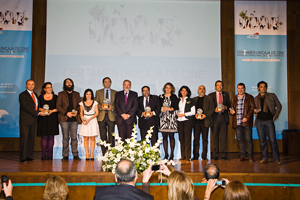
point(261, 51)
point(15, 60)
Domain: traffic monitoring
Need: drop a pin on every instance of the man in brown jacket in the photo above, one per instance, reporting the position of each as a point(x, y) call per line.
point(242, 108)
point(68, 116)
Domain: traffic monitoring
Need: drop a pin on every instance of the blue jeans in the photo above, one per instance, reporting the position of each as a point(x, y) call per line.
point(244, 133)
point(69, 129)
point(264, 129)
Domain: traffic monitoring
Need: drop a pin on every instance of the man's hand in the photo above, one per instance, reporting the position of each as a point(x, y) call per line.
point(244, 119)
point(109, 107)
point(217, 110)
point(232, 111)
point(74, 113)
point(147, 174)
point(257, 110)
point(211, 186)
point(7, 188)
point(70, 114)
point(125, 116)
point(226, 181)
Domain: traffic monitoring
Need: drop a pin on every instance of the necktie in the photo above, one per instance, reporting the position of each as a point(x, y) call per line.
point(33, 101)
point(126, 98)
point(106, 95)
point(147, 102)
point(220, 98)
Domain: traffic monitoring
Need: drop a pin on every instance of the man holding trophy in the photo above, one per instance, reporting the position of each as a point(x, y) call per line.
point(148, 114)
point(204, 111)
point(107, 114)
point(220, 120)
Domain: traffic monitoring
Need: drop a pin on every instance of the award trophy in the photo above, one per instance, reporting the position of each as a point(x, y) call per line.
point(105, 103)
point(148, 111)
point(199, 113)
point(220, 106)
point(165, 104)
point(84, 119)
point(74, 112)
point(46, 109)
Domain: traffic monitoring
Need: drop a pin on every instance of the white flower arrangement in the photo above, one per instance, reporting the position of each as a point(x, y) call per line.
point(138, 152)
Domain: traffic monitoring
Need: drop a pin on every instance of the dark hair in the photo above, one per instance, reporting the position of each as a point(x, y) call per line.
point(241, 84)
point(106, 78)
point(262, 82)
point(127, 80)
point(219, 81)
point(125, 174)
point(86, 91)
point(211, 171)
point(145, 87)
point(65, 87)
point(44, 86)
point(171, 85)
point(187, 89)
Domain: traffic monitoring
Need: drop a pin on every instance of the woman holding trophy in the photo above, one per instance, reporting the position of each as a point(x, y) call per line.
point(168, 124)
point(185, 115)
point(48, 124)
point(89, 127)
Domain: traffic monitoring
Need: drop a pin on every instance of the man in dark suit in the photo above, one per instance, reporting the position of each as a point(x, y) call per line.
point(126, 104)
point(107, 115)
point(220, 120)
point(148, 119)
point(203, 122)
point(126, 177)
point(28, 120)
point(68, 108)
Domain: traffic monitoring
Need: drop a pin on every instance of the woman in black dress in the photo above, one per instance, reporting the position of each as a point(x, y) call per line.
point(168, 124)
point(48, 124)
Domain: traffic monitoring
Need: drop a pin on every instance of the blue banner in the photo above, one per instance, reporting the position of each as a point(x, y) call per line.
point(261, 51)
point(15, 60)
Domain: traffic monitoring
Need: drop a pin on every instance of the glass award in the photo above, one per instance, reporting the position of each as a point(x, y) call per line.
point(148, 111)
point(105, 103)
point(199, 113)
point(46, 109)
point(220, 106)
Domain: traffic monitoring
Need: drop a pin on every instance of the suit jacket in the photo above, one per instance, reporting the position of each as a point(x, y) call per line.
point(122, 191)
point(273, 103)
point(130, 108)
point(99, 98)
point(247, 110)
point(208, 109)
point(154, 104)
point(62, 105)
point(28, 114)
point(226, 102)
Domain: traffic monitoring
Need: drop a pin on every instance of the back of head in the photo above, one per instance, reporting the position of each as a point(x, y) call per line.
point(236, 190)
point(125, 171)
point(180, 186)
point(56, 189)
point(211, 171)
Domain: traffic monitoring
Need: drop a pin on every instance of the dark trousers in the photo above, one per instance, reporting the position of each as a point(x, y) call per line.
point(185, 137)
point(27, 136)
point(244, 133)
point(106, 128)
point(220, 132)
point(69, 130)
point(264, 129)
point(198, 129)
point(144, 130)
point(125, 130)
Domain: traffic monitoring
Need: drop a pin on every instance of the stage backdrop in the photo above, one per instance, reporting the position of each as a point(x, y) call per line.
point(15, 60)
point(147, 42)
point(260, 51)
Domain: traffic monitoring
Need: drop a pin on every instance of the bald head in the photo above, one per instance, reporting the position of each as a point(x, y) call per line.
point(211, 171)
point(201, 90)
point(125, 171)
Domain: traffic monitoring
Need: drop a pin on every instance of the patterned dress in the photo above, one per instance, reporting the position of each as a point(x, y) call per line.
point(168, 121)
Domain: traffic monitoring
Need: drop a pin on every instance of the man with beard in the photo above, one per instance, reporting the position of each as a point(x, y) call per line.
point(68, 116)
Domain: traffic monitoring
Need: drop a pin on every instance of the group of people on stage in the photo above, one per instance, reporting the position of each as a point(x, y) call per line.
point(166, 113)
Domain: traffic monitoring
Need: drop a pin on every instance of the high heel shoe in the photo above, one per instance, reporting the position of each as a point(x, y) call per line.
point(87, 158)
point(166, 156)
point(92, 159)
point(171, 157)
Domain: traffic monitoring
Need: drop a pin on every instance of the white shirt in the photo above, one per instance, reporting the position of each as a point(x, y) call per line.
point(182, 108)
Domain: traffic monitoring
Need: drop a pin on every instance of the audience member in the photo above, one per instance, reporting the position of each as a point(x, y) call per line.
point(7, 189)
point(236, 190)
point(56, 188)
point(126, 177)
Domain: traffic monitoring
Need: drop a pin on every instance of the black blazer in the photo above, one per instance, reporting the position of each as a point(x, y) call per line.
point(208, 109)
point(28, 114)
point(154, 104)
point(122, 191)
point(188, 106)
point(226, 102)
point(174, 101)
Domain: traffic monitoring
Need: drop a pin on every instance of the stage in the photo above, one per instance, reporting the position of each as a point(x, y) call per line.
point(83, 171)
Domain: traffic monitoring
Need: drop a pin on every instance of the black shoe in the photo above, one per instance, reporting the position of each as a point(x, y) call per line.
point(23, 160)
point(194, 158)
point(29, 159)
point(92, 158)
point(204, 159)
point(76, 158)
point(43, 159)
point(65, 158)
point(225, 158)
point(86, 159)
point(215, 158)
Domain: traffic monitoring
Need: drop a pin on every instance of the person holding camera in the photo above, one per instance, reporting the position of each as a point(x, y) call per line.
point(7, 188)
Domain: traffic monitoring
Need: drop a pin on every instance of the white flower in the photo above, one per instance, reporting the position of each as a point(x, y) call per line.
point(147, 150)
point(127, 140)
point(140, 153)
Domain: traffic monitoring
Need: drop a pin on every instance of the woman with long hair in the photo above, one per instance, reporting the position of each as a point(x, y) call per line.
point(89, 128)
point(56, 188)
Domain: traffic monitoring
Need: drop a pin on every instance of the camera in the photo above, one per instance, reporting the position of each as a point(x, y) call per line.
point(155, 167)
point(221, 182)
point(4, 179)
